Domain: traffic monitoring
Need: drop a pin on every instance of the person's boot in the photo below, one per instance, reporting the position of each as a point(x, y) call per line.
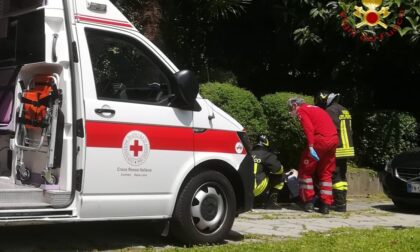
point(324, 209)
point(272, 201)
point(307, 206)
point(339, 208)
point(339, 201)
point(316, 201)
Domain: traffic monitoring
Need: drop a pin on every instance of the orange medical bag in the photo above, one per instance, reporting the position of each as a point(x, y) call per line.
point(36, 100)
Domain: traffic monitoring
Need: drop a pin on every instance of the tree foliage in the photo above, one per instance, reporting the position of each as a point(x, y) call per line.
point(382, 135)
point(285, 131)
point(300, 46)
point(239, 103)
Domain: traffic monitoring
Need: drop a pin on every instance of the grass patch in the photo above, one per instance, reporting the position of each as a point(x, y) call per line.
point(354, 169)
point(315, 215)
point(377, 197)
point(340, 239)
point(270, 216)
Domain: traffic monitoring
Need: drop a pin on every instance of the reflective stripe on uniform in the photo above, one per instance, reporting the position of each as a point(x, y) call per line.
point(255, 172)
point(279, 186)
point(280, 171)
point(341, 186)
point(306, 184)
point(258, 189)
point(344, 136)
point(305, 181)
point(309, 187)
point(326, 192)
point(344, 152)
point(325, 184)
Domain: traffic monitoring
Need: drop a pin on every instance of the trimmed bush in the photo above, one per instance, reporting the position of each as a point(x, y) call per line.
point(381, 135)
point(285, 131)
point(239, 103)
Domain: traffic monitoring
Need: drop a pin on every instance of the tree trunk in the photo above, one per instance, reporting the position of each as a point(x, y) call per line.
point(146, 15)
point(150, 19)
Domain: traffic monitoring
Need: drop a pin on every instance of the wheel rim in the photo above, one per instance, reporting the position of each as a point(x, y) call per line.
point(25, 174)
point(208, 208)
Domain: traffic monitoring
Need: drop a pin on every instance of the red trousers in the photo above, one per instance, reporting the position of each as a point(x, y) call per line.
point(323, 170)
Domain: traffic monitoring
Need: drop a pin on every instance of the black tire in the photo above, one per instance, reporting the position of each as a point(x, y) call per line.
point(205, 209)
point(25, 176)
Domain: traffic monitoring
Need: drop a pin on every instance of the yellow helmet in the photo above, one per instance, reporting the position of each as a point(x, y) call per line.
point(372, 4)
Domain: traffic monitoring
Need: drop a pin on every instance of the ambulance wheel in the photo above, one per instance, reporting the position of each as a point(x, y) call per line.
point(205, 209)
point(23, 174)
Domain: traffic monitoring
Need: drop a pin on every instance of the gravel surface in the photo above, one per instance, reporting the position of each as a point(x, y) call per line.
point(287, 221)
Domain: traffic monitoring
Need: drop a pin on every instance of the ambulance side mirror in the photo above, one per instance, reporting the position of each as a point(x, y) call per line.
point(187, 86)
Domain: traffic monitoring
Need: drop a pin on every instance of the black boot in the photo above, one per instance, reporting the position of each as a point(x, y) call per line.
point(339, 208)
point(272, 200)
point(307, 206)
point(324, 208)
point(339, 201)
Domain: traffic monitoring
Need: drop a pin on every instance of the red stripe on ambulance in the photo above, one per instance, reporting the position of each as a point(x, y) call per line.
point(111, 135)
point(105, 21)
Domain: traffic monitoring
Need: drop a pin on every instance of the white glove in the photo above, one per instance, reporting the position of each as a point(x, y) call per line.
point(292, 173)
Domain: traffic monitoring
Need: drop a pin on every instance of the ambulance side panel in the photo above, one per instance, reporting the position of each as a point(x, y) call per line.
point(136, 145)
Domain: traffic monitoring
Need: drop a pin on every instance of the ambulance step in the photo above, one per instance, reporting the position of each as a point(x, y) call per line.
point(57, 197)
point(15, 205)
point(21, 195)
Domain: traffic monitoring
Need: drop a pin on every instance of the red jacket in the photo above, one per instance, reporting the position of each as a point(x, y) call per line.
point(315, 121)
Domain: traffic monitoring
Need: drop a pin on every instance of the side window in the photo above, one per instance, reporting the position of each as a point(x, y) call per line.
point(123, 71)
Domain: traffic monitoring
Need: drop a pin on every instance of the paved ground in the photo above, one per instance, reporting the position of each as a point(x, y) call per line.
point(289, 221)
point(121, 235)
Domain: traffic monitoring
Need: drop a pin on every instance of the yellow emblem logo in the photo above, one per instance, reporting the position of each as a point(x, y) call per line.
point(371, 16)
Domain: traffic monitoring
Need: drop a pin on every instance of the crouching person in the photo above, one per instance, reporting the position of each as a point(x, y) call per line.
point(269, 174)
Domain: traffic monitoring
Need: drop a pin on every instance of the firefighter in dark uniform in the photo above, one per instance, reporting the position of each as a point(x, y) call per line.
point(345, 148)
point(268, 171)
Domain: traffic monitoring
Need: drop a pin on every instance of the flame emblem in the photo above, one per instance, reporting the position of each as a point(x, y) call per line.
point(371, 16)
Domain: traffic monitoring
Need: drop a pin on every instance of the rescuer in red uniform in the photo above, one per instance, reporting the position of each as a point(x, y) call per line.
point(319, 157)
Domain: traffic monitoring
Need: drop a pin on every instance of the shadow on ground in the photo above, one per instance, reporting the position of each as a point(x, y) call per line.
point(394, 209)
point(97, 236)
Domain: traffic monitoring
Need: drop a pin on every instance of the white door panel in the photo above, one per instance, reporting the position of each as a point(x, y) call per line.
point(136, 144)
point(113, 176)
point(136, 113)
point(234, 160)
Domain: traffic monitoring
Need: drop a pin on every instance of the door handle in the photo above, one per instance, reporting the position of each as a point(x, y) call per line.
point(105, 111)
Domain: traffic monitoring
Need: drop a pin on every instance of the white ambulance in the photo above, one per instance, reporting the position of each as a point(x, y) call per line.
point(97, 124)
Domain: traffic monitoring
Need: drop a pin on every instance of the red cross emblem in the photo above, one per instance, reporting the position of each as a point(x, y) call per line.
point(136, 148)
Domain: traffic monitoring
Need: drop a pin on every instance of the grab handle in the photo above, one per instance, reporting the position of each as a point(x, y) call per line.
point(54, 49)
point(104, 111)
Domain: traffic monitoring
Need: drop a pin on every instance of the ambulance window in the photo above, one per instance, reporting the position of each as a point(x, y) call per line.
point(123, 70)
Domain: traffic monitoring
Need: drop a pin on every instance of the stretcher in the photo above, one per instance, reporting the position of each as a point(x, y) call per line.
point(36, 124)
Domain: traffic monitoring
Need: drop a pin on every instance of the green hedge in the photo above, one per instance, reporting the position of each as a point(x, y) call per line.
point(285, 132)
point(382, 135)
point(239, 103)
